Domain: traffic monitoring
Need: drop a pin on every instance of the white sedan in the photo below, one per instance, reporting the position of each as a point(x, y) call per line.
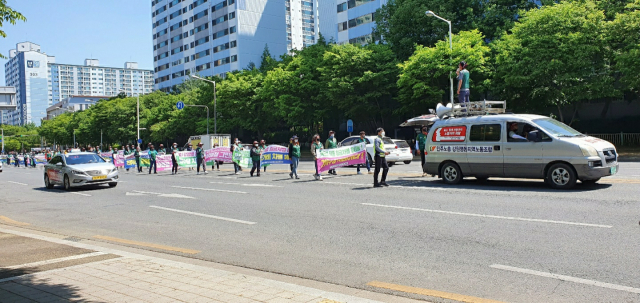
point(404, 151)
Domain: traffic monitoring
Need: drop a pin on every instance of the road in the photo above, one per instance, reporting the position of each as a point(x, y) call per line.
point(505, 240)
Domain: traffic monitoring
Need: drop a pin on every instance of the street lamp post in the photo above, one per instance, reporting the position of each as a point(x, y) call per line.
point(215, 111)
point(432, 14)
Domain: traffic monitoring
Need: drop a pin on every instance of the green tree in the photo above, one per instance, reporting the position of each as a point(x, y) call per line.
point(557, 55)
point(625, 38)
point(8, 15)
point(267, 62)
point(424, 78)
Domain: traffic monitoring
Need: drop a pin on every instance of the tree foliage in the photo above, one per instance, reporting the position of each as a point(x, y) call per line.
point(7, 14)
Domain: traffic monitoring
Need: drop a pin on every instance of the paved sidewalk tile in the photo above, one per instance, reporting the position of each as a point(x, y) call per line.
point(147, 279)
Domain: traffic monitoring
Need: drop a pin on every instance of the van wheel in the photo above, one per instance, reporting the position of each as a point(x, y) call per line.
point(590, 182)
point(451, 173)
point(561, 176)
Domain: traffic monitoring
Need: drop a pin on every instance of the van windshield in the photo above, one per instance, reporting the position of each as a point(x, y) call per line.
point(557, 128)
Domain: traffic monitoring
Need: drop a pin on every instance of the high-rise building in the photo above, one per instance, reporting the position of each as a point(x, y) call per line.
point(213, 37)
point(301, 17)
point(355, 20)
point(41, 82)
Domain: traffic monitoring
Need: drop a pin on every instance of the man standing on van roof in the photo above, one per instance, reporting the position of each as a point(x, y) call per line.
point(463, 85)
point(421, 141)
point(381, 161)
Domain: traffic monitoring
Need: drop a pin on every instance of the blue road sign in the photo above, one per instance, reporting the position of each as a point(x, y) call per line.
point(349, 126)
point(180, 105)
point(139, 141)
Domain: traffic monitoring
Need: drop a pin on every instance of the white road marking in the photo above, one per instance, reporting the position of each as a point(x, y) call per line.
point(45, 262)
point(394, 186)
point(81, 194)
point(211, 189)
point(175, 196)
point(204, 215)
point(246, 184)
point(17, 183)
point(489, 216)
point(135, 194)
point(567, 278)
point(147, 193)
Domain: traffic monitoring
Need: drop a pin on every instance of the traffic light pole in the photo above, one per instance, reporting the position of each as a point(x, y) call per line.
point(2, 137)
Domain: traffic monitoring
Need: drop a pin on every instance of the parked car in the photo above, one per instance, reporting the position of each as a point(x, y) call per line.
point(484, 146)
point(79, 169)
point(392, 157)
point(0, 167)
point(404, 151)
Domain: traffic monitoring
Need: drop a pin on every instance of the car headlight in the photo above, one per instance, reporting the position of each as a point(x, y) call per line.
point(588, 151)
point(77, 172)
point(114, 169)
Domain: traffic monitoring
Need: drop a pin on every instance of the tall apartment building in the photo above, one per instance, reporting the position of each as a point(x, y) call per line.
point(301, 19)
point(213, 37)
point(41, 82)
point(355, 20)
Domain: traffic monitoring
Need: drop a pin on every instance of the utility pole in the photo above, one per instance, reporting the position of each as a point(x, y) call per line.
point(2, 136)
point(138, 118)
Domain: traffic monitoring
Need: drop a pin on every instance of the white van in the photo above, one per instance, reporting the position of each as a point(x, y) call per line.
point(517, 146)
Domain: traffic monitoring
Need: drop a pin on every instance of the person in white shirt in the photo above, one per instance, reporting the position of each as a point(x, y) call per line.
point(513, 127)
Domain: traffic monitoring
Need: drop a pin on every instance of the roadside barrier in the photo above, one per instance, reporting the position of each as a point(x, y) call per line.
point(621, 139)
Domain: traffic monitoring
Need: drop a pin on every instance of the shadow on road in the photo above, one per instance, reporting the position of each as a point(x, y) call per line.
point(511, 185)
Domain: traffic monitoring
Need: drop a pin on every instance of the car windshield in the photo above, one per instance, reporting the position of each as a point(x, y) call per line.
point(402, 144)
point(557, 128)
point(83, 159)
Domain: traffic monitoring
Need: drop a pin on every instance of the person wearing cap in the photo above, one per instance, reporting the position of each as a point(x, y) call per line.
point(161, 150)
point(190, 148)
point(294, 155)
point(381, 161)
point(236, 146)
point(362, 139)
point(255, 153)
point(152, 160)
point(421, 145)
point(200, 159)
point(316, 147)
point(174, 160)
point(463, 85)
point(331, 143)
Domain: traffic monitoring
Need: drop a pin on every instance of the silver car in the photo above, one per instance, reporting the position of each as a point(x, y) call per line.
point(79, 169)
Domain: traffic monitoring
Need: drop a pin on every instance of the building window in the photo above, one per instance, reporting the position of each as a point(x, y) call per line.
point(368, 18)
point(200, 55)
point(354, 3)
point(176, 26)
point(219, 6)
point(342, 26)
point(232, 15)
point(175, 14)
point(199, 15)
point(176, 38)
point(203, 67)
point(219, 20)
point(176, 50)
point(232, 29)
point(221, 33)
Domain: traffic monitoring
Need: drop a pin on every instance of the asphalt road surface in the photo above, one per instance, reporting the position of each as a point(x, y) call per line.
point(505, 240)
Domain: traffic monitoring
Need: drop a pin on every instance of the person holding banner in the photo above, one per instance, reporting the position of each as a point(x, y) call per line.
point(174, 161)
point(234, 147)
point(331, 144)
point(294, 155)
point(262, 147)
point(316, 146)
point(255, 158)
point(363, 140)
point(137, 155)
point(381, 161)
point(152, 160)
point(161, 150)
point(200, 159)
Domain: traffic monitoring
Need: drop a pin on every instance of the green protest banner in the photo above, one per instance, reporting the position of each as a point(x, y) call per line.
point(242, 158)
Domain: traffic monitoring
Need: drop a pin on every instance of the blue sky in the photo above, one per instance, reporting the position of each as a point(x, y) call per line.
point(113, 31)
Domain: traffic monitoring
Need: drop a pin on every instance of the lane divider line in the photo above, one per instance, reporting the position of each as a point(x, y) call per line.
point(11, 221)
point(393, 186)
point(58, 260)
point(431, 293)
point(567, 278)
point(246, 184)
point(146, 244)
point(211, 189)
point(81, 194)
point(203, 215)
point(489, 216)
point(17, 183)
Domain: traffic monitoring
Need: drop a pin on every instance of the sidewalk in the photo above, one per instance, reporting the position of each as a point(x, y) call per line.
point(90, 273)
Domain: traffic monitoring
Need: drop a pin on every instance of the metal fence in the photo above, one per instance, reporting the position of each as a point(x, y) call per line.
point(621, 139)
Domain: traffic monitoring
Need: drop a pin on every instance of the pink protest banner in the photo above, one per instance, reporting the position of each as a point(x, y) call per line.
point(119, 159)
point(343, 156)
point(222, 153)
point(163, 163)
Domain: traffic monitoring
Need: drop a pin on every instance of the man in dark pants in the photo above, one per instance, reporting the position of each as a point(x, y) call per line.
point(200, 159)
point(255, 158)
point(174, 160)
point(152, 160)
point(421, 142)
point(381, 161)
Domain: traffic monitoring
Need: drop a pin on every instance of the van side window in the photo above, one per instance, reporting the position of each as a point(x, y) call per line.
point(485, 133)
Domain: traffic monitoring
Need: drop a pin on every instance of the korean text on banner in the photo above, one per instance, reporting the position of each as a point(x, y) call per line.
point(222, 153)
point(3, 158)
point(343, 156)
point(242, 158)
point(163, 162)
point(144, 159)
point(107, 156)
point(129, 161)
point(186, 158)
point(40, 159)
point(119, 159)
point(275, 154)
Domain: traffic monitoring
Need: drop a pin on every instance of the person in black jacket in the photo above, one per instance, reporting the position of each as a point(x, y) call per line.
point(290, 147)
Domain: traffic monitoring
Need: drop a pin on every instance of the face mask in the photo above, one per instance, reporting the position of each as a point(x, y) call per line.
point(256, 145)
point(296, 140)
point(331, 136)
point(382, 134)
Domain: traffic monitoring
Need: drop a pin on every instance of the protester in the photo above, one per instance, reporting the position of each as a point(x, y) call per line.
point(236, 146)
point(216, 162)
point(174, 160)
point(200, 159)
point(137, 155)
point(26, 160)
point(463, 85)
point(152, 160)
point(289, 148)
point(262, 148)
point(362, 139)
point(316, 147)
point(331, 143)
point(190, 148)
point(294, 155)
point(255, 158)
point(161, 150)
point(421, 145)
point(381, 161)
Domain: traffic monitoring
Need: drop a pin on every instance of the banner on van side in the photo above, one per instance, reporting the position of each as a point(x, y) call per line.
point(450, 134)
point(462, 149)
